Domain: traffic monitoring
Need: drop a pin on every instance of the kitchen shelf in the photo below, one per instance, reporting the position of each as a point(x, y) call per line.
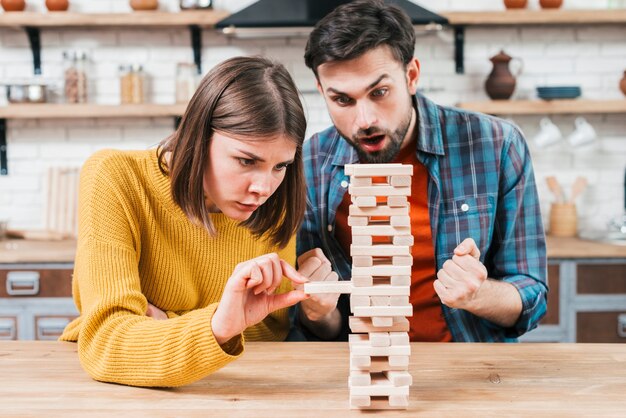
point(460, 20)
point(539, 107)
point(202, 18)
point(537, 17)
point(81, 111)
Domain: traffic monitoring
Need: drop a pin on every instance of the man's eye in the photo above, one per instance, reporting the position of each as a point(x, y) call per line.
point(342, 100)
point(379, 92)
point(246, 161)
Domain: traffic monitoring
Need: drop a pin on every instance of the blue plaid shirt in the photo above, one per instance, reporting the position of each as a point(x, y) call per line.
point(472, 159)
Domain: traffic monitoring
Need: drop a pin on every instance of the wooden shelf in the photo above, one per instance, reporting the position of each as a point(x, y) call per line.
point(81, 111)
point(204, 18)
point(537, 17)
point(539, 107)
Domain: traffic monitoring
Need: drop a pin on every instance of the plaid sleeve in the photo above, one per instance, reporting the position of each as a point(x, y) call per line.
point(518, 253)
point(308, 235)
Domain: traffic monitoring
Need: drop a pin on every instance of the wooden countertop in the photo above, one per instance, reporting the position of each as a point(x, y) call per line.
point(26, 251)
point(310, 379)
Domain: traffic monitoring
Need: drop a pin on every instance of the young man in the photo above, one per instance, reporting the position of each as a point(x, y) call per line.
point(479, 259)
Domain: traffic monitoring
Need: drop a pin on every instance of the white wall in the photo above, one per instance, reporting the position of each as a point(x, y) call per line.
point(592, 56)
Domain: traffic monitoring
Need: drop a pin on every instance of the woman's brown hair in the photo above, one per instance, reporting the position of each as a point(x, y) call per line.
point(249, 97)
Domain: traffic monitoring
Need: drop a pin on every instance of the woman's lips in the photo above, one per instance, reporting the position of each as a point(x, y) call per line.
point(250, 207)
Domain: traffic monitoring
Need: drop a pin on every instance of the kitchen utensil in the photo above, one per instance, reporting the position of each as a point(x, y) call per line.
point(196, 4)
point(549, 133)
point(144, 4)
point(500, 84)
point(515, 4)
point(583, 134)
point(57, 5)
point(26, 92)
point(558, 92)
point(550, 4)
point(555, 188)
point(13, 5)
point(563, 220)
point(577, 188)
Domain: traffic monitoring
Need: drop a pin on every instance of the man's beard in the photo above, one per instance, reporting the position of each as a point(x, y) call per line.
point(387, 154)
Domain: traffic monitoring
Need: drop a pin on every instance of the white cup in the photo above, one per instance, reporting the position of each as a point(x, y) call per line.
point(583, 134)
point(549, 133)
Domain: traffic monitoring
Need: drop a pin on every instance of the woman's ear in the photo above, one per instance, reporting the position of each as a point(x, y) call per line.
point(412, 75)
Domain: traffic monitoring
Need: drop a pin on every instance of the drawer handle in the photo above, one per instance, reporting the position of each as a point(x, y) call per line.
point(51, 328)
point(8, 329)
point(22, 283)
point(621, 325)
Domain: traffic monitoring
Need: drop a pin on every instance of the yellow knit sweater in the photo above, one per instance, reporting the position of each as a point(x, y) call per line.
point(136, 246)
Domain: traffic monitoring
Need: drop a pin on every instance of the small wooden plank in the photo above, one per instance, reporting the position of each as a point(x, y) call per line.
point(362, 378)
point(397, 201)
point(381, 209)
point(402, 260)
point(379, 339)
point(382, 290)
point(364, 324)
point(361, 181)
point(401, 181)
point(378, 230)
point(382, 321)
point(376, 365)
point(380, 386)
point(364, 201)
point(400, 361)
point(383, 311)
point(380, 250)
point(358, 301)
point(371, 170)
point(362, 240)
point(384, 270)
point(362, 281)
point(401, 280)
point(401, 240)
point(362, 261)
point(398, 300)
point(379, 190)
point(400, 221)
point(380, 300)
point(358, 221)
point(328, 287)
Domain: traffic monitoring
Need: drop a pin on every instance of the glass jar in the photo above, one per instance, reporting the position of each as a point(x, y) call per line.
point(186, 81)
point(132, 80)
point(75, 76)
point(196, 4)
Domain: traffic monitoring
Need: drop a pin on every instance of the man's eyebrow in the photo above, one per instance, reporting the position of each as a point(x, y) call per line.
point(372, 85)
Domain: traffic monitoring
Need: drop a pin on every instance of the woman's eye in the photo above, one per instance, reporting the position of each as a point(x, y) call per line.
point(281, 167)
point(246, 162)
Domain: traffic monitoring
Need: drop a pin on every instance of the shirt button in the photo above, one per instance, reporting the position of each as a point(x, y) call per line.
point(330, 228)
point(344, 184)
point(464, 207)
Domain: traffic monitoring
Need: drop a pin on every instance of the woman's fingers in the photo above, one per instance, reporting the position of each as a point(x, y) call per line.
point(285, 300)
point(292, 274)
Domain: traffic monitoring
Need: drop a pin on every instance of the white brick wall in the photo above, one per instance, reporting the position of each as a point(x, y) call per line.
point(592, 56)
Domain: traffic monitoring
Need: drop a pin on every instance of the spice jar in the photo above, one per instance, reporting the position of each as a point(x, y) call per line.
point(186, 81)
point(132, 79)
point(76, 64)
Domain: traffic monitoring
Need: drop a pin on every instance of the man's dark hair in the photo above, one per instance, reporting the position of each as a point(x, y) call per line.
point(354, 28)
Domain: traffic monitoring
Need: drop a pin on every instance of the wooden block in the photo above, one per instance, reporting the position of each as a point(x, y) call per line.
point(362, 240)
point(372, 170)
point(380, 386)
point(382, 290)
point(402, 260)
point(381, 209)
point(400, 221)
point(383, 403)
point(383, 311)
point(402, 240)
point(361, 181)
point(364, 201)
point(362, 378)
point(402, 181)
point(380, 300)
point(382, 321)
point(381, 230)
point(399, 300)
point(397, 378)
point(364, 324)
point(379, 339)
point(359, 402)
point(399, 338)
point(377, 364)
point(397, 201)
point(398, 360)
point(359, 301)
point(401, 280)
point(380, 250)
point(362, 281)
point(328, 287)
point(398, 401)
point(358, 220)
point(384, 270)
point(379, 190)
point(362, 261)
point(392, 350)
point(357, 361)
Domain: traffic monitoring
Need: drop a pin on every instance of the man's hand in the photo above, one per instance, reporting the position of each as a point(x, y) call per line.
point(155, 313)
point(316, 267)
point(460, 280)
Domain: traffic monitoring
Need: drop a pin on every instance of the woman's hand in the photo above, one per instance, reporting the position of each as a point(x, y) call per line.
point(249, 295)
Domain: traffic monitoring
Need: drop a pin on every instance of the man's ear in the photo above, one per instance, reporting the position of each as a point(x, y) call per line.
point(412, 75)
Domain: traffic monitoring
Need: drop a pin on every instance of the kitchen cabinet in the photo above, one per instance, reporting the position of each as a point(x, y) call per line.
point(35, 289)
point(587, 298)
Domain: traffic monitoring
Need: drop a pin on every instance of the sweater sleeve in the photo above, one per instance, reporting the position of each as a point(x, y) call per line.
point(117, 342)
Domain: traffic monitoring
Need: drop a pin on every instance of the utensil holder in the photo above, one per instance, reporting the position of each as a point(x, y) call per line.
point(563, 220)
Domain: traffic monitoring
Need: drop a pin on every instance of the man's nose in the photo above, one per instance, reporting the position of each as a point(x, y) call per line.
point(365, 116)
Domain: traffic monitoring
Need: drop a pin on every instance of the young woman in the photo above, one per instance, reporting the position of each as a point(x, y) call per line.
point(198, 231)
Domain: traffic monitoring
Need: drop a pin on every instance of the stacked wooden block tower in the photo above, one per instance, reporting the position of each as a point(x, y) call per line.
point(380, 286)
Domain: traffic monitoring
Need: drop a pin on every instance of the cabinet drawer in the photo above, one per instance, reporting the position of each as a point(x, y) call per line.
point(601, 279)
point(8, 328)
point(552, 315)
point(36, 283)
point(50, 327)
point(601, 327)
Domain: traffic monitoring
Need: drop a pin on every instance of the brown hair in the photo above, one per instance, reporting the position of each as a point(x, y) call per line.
point(357, 27)
point(248, 97)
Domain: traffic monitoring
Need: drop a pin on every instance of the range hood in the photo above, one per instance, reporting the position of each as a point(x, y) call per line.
point(297, 17)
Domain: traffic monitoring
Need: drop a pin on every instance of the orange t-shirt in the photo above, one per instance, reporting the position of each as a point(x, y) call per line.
point(427, 322)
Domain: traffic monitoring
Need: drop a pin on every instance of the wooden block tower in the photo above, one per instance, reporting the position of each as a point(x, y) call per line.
point(380, 286)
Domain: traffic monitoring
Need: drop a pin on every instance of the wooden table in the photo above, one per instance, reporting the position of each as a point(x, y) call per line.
point(310, 379)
